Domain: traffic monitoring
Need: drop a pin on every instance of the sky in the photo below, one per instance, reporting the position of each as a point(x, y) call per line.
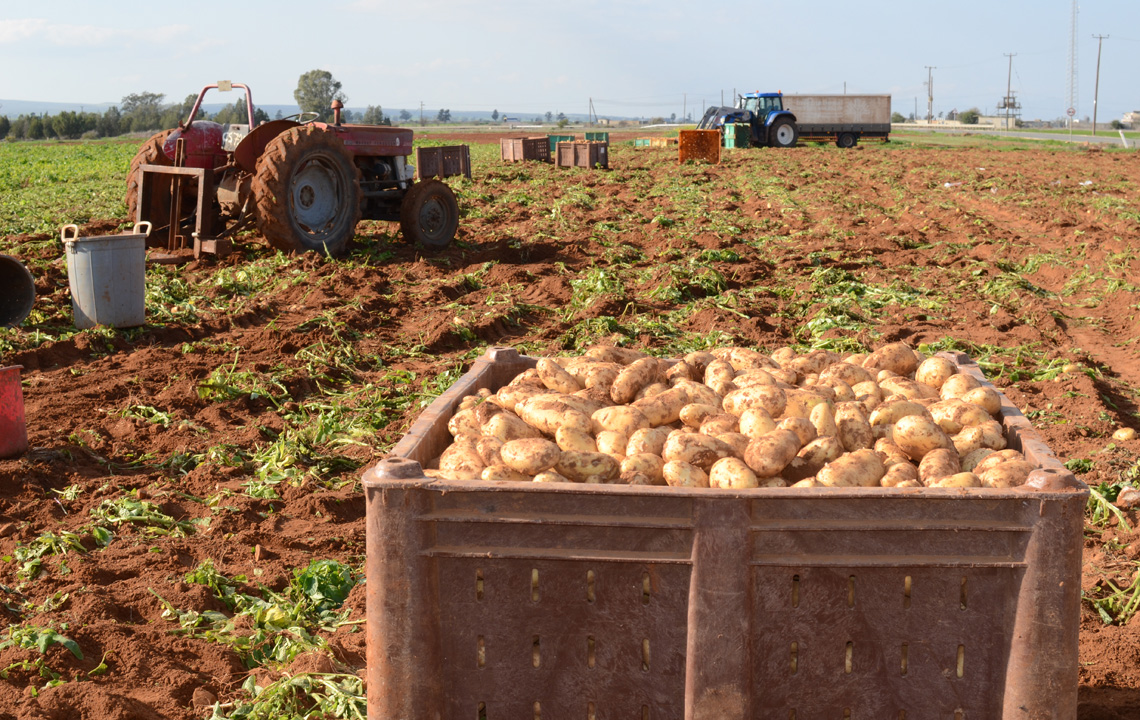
point(632, 57)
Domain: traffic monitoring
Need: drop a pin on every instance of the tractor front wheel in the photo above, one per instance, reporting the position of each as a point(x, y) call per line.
point(149, 154)
point(307, 192)
point(429, 214)
point(783, 134)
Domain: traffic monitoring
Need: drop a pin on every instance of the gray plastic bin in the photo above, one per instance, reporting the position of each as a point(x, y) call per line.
point(107, 276)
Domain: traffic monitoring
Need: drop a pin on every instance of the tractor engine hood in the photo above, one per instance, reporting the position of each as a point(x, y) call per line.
point(203, 144)
point(716, 117)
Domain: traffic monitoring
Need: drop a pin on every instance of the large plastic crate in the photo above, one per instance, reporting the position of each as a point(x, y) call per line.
point(443, 161)
point(555, 139)
point(582, 154)
point(737, 135)
point(522, 600)
point(701, 145)
point(519, 149)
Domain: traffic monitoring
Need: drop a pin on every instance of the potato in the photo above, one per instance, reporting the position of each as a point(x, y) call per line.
point(461, 461)
point(889, 413)
point(649, 440)
point(958, 480)
point(993, 435)
point(806, 483)
point(699, 360)
point(916, 436)
point(934, 372)
point(699, 393)
point(484, 411)
point(732, 473)
point(994, 459)
point(581, 403)
point(680, 370)
point(743, 358)
point(896, 357)
point(907, 388)
point(720, 424)
point(773, 482)
point(754, 376)
point(953, 414)
point(958, 385)
point(901, 475)
point(598, 396)
point(756, 421)
point(719, 374)
point(529, 456)
point(803, 429)
point(818, 453)
point(624, 419)
point(555, 377)
point(769, 454)
point(588, 467)
point(612, 442)
point(1010, 473)
point(768, 397)
point(650, 390)
point(799, 403)
point(848, 373)
point(464, 422)
point(468, 403)
point(862, 468)
point(527, 378)
point(986, 398)
point(634, 478)
point(551, 477)
point(841, 390)
point(968, 440)
point(971, 460)
point(682, 474)
point(852, 428)
point(504, 473)
point(609, 353)
point(869, 388)
point(783, 355)
point(571, 439)
point(695, 449)
point(547, 413)
point(507, 426)
point(664, 408)
point(600, 375)
point(488, 449)
point(652, 466)
point(938, 464)
point(633, 378)
point(694, 414)
point(823, 420)
point(736, 441)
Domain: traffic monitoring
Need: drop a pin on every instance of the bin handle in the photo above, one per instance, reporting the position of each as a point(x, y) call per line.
point(63, 238)
point(139, 228)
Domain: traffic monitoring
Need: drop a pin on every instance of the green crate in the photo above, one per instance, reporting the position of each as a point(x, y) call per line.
point(642, 142)
point(555, 139)
point(737, 135)
point(598, 137)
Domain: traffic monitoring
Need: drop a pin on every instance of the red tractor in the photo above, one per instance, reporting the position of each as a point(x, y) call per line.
point(305, 184)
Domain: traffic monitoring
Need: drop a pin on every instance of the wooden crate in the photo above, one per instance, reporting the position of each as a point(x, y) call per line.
point(703, 145)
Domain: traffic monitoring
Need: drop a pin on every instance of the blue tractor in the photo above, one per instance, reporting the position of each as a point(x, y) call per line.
point(771, 124)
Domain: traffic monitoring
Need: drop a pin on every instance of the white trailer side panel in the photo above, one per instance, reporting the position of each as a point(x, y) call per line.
point(840, 109)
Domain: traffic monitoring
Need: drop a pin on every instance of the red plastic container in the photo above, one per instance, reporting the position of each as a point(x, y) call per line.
point(13, 428)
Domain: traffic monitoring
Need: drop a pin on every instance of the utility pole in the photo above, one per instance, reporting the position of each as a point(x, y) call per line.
point(930, 93)
point(1096, 86)
point(684, 105)
point(421, 113)
point(915, 116)
point(1008, 87)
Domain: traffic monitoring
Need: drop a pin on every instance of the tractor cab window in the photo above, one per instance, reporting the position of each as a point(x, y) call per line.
point(761, 106)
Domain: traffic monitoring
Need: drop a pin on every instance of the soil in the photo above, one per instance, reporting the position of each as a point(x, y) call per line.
point(899, 208)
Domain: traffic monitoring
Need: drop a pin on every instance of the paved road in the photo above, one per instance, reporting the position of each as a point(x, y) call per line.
point(1113, 139)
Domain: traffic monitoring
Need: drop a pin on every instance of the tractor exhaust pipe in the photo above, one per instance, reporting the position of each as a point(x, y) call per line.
point(18, 293)
point(337, 106)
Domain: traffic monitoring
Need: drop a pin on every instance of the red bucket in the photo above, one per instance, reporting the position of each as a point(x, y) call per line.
point(13, 427)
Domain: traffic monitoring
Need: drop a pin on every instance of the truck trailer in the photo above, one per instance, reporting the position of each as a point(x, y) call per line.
point(779, 120)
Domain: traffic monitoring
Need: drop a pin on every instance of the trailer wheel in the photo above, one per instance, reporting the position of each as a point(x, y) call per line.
point(149, 154)
point(429, 214)
point(783, 134)
point(846, 140)
point(307, 192)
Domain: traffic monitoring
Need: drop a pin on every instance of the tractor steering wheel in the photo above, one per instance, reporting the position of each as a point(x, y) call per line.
point(304, 117)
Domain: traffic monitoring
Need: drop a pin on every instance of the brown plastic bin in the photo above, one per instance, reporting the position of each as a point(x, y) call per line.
point(588, 154)
point(522, 600)
point(443, 161)
point(519, 149)
point(703, 145)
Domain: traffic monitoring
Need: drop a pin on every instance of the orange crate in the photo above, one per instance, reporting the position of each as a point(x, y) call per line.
point(699, 145)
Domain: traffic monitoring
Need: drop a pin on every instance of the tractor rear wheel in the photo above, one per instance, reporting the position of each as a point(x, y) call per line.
point(307, 192)
point(149, 154)
point(783, 134)
point(429, 214)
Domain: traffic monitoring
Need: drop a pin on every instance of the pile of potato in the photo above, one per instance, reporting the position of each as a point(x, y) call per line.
point(736, 418)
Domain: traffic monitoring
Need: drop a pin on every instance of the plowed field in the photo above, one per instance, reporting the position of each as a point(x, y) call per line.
point(157, 538)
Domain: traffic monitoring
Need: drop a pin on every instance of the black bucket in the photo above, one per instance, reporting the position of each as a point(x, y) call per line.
point(17, 292)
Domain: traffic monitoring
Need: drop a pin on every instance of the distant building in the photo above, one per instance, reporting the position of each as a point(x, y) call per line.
point(1131, 118)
